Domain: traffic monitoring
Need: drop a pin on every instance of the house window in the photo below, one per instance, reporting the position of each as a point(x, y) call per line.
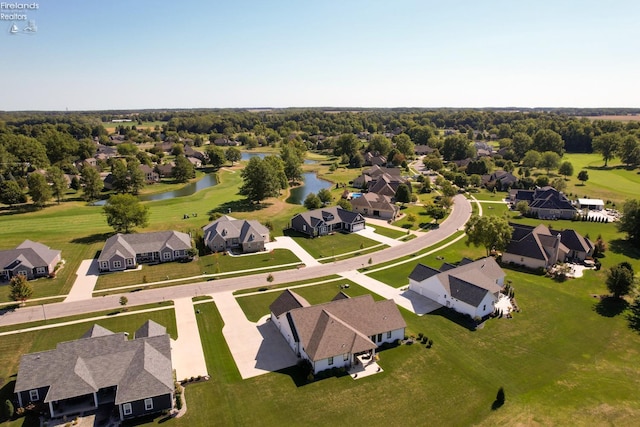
point(389, 334)
point(41, 270)
point(345, 357)
point(304, 227)
point(379, 337)
point(166, 255)
point(129, 261)
point(331, 361)
point(126, 409)
point(148, 404)
point(484, 307)
point(104, 264)
point(117, 264)
point(34, 396)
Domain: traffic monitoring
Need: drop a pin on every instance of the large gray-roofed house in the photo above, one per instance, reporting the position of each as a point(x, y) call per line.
point(228, 233)
point(123, 251)
point(541, 247)
point(545, 202)
point(102, 368)
point(30, 259)
point(332, 334)
point(323, 221)
point(473, 287)
point(375, 205)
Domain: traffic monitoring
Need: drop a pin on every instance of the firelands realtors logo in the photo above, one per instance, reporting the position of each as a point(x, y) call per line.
point(19, 14)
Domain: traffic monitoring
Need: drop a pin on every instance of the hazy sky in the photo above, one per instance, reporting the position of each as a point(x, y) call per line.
point(125, 54)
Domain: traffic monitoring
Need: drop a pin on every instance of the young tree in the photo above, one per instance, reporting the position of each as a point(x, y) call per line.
point(124, 212)
point(620, 279)
point(11, 193)
point(583, 176)
point(344, 204)
point(312, 201)
point(183, 171)
point(522, 207)
point(492, 232)
point(325, 196)
point(607, 144)
point(630, 221)
point(566, 169)
point(403, 194)
point(19, 288)
point(233, 155)
point(39, 189)
point(58, 183)
point(92, 183)
point(123, 302)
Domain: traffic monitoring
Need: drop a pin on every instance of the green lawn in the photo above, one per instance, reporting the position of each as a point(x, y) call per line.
point(389, 232)
point(209, 264)
point(334, 244)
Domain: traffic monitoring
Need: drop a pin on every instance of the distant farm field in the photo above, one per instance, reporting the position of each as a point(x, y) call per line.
point(620, 118)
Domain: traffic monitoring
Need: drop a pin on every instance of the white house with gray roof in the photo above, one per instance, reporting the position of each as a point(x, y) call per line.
point(472, 287)
point(227, 233)
point(102, 368)
point(123, 251)
point(332, 334)
point(29, 259)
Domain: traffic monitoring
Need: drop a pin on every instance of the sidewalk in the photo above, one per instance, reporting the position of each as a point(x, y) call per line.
point(285, 242)
point(408, 300)
point(186, 351)
point(85, 282)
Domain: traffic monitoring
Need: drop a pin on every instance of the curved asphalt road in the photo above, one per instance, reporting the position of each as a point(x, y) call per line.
point(455, 221)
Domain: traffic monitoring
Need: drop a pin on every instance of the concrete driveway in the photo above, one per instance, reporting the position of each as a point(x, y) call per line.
point(257, 348)
point(82, 288)
point(286, 242)
point(186, 352)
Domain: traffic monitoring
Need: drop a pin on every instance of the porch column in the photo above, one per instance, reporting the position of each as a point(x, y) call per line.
point(20, 399)
point(121, 414)
point(51, 409)
point(95, 399)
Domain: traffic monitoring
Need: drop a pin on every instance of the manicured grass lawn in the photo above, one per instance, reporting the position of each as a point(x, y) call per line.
point(334, 244)
point(494, 209)
point(256, 306)
point(389, 232)
point(209, 264)
point(12, 347)
point(560, 363)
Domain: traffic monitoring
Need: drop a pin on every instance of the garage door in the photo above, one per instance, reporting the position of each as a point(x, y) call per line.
point(358, 227)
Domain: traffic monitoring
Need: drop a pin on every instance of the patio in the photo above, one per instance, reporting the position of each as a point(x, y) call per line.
point(364, 367)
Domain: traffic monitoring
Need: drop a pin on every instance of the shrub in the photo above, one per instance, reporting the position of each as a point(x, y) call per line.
point(420, 335)
point(270, 278)
point(7, 409)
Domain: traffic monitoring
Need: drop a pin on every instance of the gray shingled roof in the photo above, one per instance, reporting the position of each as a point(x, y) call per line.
point(344, 325)
point(231, 228)
point(329, 215)
point(150, 329)
point(128, 245)
point(534, 242)
point(139, 368)
point(422, 272)
point(28, 253)
point(287, 301)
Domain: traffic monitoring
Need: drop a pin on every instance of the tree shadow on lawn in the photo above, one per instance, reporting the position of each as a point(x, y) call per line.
point(625, 247)
point(458, 318)
point(243, 205)
point(610, 306)
point(18, 209)
point(92, 238)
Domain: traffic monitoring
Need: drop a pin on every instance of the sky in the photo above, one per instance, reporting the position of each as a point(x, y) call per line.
point(135, 54)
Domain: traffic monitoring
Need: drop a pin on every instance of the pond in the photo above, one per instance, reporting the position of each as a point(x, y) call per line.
point(312, 184)
point(247, 155)
point(189, 189)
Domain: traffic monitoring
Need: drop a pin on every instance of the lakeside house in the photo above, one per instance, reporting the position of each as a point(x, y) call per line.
point(227, 233)
point(320, 222)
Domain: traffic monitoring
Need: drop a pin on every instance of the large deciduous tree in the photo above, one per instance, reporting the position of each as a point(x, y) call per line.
point(620, 279)
point(125, 212)
point(39, 189)
point(583, 176)
point(630, 151)
point(11, 193)
point(404, 144)
point(346, 144)
point(183, 170)
point(58, 182)
point(380, 144)
point(233, 155)
point(549, 160)
point(215, 156)
point(457, 147)
point(566, 169)
point(262, 179)
point(403, 194)
point(90, 179)
point(607, 145)
point(491, 232)
point(548, 140)
point(630, 221)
